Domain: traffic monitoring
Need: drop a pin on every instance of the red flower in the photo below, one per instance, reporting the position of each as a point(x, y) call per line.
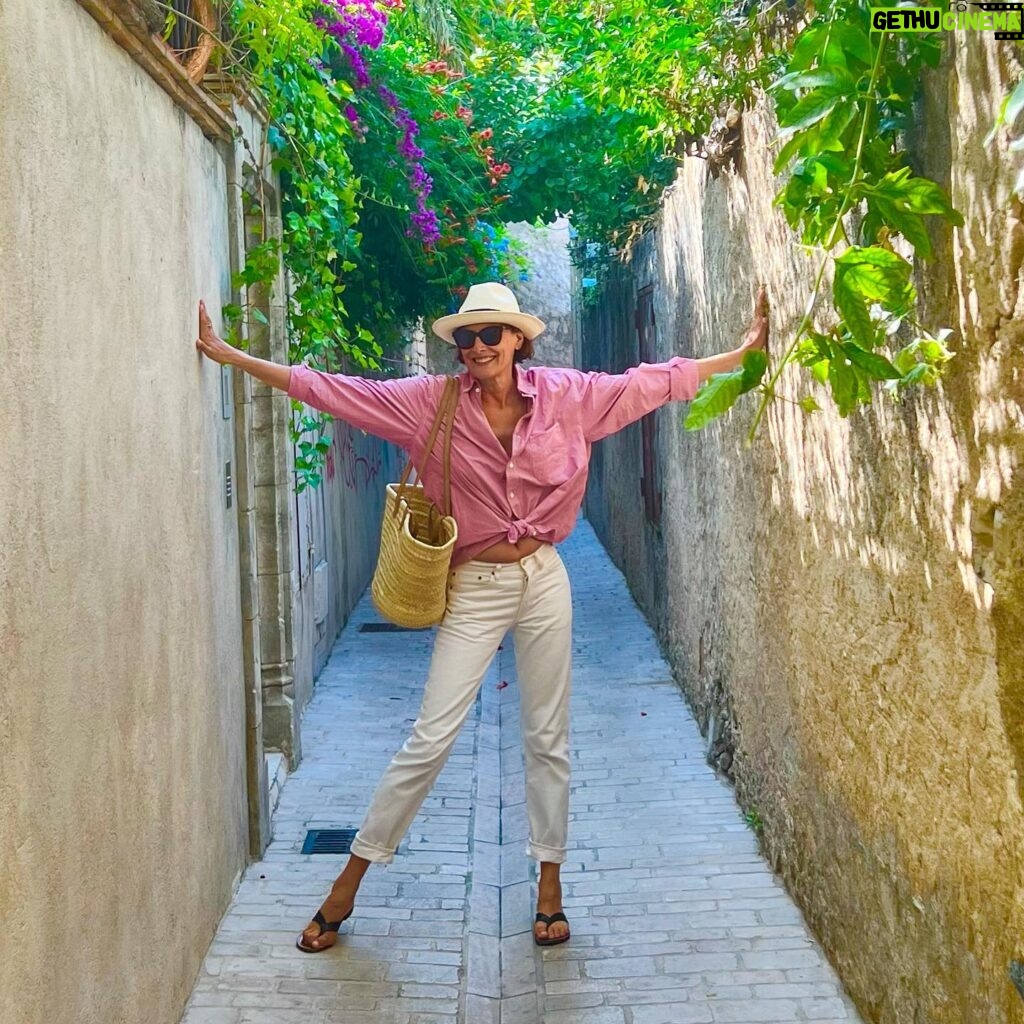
point(439, 115)
point(485, 134)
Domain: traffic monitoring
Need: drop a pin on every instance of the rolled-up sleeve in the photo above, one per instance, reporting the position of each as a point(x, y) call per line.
point(393, 409)
point(611, 401)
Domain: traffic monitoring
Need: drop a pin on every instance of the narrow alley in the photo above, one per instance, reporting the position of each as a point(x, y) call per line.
point(676, 918)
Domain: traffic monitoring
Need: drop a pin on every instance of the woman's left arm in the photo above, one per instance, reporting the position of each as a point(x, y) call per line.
point(756, 338)
point(609, 402)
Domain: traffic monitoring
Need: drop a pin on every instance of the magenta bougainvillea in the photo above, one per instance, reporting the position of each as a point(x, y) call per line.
point(358, 25)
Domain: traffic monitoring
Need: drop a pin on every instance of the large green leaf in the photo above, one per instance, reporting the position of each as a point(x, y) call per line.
point(755, 362)
point(865, 276)
point(850, 385)
point(810, 110)
point(855, 41)
point(878, 366)
point(901, 201)
point(717, 395)
point(805, 80)
point(796, 142)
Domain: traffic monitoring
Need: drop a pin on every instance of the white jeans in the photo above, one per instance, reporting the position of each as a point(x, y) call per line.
point(485, 600)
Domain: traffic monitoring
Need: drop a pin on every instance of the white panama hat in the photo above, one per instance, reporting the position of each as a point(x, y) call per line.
point(489, 302)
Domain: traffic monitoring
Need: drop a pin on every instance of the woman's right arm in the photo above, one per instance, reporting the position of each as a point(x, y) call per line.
point(392, 409)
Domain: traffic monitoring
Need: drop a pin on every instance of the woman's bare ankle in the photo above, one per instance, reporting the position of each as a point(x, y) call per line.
point(347, 883)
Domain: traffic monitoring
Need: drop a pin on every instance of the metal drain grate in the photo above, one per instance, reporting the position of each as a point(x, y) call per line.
point(329, 840)
point(387, 627)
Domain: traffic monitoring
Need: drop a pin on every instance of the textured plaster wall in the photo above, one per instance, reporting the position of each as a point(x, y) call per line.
point(123, 808)
point(848, 595)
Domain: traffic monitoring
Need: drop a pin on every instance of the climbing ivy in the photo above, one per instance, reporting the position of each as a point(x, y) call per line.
point(843, 103)
point(390, 189)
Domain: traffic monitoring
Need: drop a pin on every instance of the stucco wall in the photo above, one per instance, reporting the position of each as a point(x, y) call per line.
point(122, 810)
point(847, 594)
point(547, 289)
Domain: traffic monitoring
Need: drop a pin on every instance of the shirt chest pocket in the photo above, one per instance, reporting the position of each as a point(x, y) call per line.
point(551, 456)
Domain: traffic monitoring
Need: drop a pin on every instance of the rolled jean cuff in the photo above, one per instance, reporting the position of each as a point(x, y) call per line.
point(552, 854)
point(368, 851)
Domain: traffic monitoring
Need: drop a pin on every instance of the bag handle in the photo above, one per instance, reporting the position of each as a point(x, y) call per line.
point(448, 404)
point(447, 459)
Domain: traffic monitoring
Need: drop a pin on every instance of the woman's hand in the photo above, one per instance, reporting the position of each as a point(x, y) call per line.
point(209, 344)
point(755, 338)
point(757, 334)
point(274, 374)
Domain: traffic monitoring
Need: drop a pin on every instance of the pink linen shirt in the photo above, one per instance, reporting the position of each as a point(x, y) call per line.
point(536, 491)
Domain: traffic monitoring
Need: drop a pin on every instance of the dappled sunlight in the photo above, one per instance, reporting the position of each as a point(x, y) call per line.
point(823, 481)
point(911, 458)
point(683, 219)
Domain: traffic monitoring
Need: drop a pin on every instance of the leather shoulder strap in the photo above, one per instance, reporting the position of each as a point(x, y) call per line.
point(442, 405)
point(453, 405)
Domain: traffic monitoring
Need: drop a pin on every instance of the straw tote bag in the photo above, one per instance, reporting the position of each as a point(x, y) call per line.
point(410, 585)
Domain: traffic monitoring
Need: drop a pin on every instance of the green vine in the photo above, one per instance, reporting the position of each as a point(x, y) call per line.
point(584, 107)
point(847, 91)
point(352, 134)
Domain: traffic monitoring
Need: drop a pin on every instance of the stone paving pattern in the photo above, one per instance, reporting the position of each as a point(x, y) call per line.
point(676, 918)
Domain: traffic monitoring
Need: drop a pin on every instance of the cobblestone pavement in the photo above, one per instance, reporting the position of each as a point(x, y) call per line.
point(676, 918)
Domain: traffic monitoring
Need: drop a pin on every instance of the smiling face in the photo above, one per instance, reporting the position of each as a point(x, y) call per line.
point(492, 362)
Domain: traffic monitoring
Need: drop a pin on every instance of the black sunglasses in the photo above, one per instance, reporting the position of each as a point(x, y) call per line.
point(466, 338)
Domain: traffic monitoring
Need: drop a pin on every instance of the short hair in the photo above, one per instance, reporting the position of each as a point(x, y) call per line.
point(524, 352)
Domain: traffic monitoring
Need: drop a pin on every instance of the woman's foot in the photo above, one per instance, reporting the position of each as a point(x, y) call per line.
point(336, 907)
point(549, 901)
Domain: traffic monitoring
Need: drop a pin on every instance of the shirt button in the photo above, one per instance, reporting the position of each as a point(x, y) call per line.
point(511, 494)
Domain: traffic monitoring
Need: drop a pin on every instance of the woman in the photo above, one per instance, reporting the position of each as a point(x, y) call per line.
point(520, 451)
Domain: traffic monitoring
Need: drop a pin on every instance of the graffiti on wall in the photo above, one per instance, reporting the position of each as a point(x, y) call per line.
point(357, 471)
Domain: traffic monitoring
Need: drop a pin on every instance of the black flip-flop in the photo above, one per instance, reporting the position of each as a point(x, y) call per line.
point(325, 926)
point(550, 919)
